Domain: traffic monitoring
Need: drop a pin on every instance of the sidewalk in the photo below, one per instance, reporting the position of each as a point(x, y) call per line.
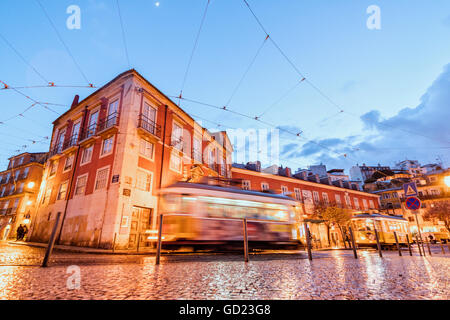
point(84, 249)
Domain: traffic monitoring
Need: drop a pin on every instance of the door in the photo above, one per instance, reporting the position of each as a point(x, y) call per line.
point(141, 219)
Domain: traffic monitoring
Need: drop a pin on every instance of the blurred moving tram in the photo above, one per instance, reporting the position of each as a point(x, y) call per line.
point(210, 216)
point(364, 231)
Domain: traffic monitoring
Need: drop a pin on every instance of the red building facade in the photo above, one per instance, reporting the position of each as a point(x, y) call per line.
point(109, 155)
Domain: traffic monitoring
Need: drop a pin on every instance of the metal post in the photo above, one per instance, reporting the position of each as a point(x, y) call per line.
point(448, 245)
point(138, 242)
point(245, 240)
point(353, 242)
point(418, 245)
point(158, 246)
point(308, 241)
point(418, 230)
point(51, 242)
point(114, 242)
point(409, 246)
point(442, 247)
point(398, 245)
point(378, 242)
point(428, 246)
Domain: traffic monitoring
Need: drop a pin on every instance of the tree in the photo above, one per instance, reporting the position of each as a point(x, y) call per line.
point(332, 214)
point(440, 211)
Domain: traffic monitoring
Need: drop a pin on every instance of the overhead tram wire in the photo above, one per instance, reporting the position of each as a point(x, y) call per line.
point(193, 51)
point(28, 97)
point(123, 35)
point(50, 85)
point(23, 59)
point(62, 41)
point(298, 134)
point(247, 70)
point(317, 89)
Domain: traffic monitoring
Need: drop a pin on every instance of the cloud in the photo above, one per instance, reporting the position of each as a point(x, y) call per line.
point(420, 133)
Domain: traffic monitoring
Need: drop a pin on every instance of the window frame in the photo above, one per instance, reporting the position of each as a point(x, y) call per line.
point(85, 175)
point(113, 137)
point(106, 179)
point(82, 155)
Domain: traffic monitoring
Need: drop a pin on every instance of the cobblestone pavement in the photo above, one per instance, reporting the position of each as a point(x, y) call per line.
point(287, 275)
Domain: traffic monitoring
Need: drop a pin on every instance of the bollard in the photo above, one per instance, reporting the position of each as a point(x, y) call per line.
point(409, 245)
point(428, 246)
point(353, 242)
point(51, 242)
point(398, 245)
point(114, 242)
point(308, 241)
point(245, 240)
point(378, 243)
point(442, 247)
point(138, 242)
point(158, 246)
point(423, 247)
point(418, 245)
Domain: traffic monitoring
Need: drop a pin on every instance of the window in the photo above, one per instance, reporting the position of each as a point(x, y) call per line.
point(102, 178)
point(149, 113)
point(20, 189)
point(62, 191)
point(20, 161)
point(47, 195)
point(146, 148)
point(7, 177)
point(284, 189)
point(5, 205)
point(11, 190)
point(143, 180)
point(316, 196)
point(338, 199)
point(355, 200)
point(197, 149)
point(69, 162)
point(365, 204)
point(113, 107)
point(264, 186)
point(16, 176)
point(347, 201)
point(3, 191)
point(325, 198)
point(177, 136)
point(75, 132)
point(87, 155)
point(53, 167)
point(25, 172)
point(107, 146)
point(175, 162)
point(371, 205)
point(298, 194)
point(246, 185)
point(81, 184)
point(15, 205)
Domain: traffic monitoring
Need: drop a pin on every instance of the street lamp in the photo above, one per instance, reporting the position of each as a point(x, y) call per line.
point(30, 184)
point(447, 181)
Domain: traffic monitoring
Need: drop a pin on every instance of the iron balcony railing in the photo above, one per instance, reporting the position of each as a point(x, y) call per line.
point(89, 131)
point(197, 155)
point(71, 142)
point(56, 149)
point(149, 126)
point(108, 122)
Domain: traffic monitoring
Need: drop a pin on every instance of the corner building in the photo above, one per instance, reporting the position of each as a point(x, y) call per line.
point(109, 155)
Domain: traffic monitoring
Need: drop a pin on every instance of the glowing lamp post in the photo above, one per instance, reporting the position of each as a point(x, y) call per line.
point(447, 181)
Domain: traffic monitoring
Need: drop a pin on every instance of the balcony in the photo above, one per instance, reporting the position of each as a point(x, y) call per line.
point(71, 144)
point(89, 133)
point(110, 123)
point(5, 212)
point(4, 180)
point(57, 149)
point(148, 127)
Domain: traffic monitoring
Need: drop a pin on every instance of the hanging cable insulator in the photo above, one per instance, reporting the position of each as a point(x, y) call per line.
point(303, 79)
point(256, 118)
point(91, 85)
point(298, 134)
point(345, 155)
point(267, 37)
point(224, 108)
point(51, 84)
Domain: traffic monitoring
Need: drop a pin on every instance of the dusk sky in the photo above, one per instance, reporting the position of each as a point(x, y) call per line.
point(393, 83)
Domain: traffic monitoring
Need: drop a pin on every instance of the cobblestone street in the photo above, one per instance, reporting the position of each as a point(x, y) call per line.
point(288, 275)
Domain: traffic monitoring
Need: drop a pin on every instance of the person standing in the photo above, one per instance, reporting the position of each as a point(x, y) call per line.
point(19, 233)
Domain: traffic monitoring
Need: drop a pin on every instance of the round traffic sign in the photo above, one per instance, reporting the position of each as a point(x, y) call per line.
point(413, 203)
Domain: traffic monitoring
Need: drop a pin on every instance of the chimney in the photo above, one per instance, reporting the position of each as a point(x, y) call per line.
point(75, 101)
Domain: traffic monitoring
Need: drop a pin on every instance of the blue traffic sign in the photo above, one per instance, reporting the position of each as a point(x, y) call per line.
point(410, 189)
point(413, 203)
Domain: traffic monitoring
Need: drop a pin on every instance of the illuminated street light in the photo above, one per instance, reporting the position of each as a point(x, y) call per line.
point(29, 202)
point(447, 181)
point(30, 184)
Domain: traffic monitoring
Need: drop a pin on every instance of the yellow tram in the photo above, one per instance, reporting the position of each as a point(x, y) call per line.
point(201, 215)
point(365, 224)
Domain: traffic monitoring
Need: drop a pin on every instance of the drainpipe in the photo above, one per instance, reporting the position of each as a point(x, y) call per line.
point(162, 157)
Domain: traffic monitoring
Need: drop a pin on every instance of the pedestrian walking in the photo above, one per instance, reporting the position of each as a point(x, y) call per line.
point(25, 231)
point(19, 233)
